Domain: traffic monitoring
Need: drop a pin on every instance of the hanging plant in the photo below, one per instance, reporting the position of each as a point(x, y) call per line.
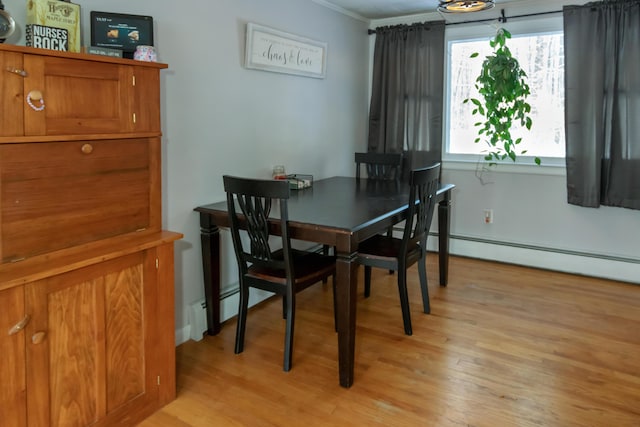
point(503, 87)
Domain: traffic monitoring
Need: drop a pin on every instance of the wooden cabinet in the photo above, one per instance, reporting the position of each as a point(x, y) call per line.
point(12, 369)
point(86, 272)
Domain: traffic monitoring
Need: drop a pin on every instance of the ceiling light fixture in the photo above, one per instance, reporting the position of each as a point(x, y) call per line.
point(457, 6)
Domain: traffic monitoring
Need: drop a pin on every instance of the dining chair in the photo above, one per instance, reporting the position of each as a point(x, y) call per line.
point(383, 251)
point(261, 264)
point(379, 165)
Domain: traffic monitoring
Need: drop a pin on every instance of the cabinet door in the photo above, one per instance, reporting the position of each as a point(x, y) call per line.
point(11, 104)
point(13, 410)
point(89, 344)
point(146, 104)
point(80, 96)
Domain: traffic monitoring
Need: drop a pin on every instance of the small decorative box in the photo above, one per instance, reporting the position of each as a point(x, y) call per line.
point(299, 181)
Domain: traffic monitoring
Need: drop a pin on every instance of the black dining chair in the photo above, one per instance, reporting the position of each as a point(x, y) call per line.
point(284, 271)
point(380, 167)
point(385, 166)
point(399, 254)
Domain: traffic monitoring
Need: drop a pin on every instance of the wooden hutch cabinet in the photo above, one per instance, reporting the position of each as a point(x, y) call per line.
point(86, 271)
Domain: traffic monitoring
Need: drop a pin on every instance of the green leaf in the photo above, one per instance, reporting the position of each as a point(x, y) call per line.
point(474, 55)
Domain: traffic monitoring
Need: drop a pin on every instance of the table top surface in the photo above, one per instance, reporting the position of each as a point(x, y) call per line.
point(343, 203)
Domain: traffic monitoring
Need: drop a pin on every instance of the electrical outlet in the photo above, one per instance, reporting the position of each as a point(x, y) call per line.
point(488, 216)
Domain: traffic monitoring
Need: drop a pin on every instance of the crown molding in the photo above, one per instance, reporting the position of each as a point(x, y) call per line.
point(342, 10)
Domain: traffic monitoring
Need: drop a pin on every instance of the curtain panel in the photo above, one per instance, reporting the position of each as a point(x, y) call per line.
point(405, 114)
point(602, 103)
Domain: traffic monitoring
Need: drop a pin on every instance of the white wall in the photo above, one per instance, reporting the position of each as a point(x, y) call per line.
point(220, 118)
point(533, 223)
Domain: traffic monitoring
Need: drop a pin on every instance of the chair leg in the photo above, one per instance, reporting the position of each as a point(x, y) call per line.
point(284, 306)
point(242, 318)
point(367, 281)
point(325, 252)
point(288, 339)
point(335, 305)
point(404, 300)
point(390, 234)
point(422, 271)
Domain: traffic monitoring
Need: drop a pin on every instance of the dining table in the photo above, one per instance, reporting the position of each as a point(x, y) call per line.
point(338, 212)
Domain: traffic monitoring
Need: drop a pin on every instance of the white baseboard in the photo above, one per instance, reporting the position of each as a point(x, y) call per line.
point(228, 309)
point(595, 265)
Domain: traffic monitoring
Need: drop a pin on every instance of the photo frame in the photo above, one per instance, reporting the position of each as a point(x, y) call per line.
point(272, 50)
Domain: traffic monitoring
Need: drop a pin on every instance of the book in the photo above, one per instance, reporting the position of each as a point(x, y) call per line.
point(57, 14)
point(105, 51)
point(44, 37)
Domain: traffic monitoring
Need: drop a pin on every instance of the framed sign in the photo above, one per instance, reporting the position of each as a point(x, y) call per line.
point(272, 50)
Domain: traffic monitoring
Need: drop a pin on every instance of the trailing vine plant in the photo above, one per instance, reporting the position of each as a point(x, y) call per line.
point(504, 90)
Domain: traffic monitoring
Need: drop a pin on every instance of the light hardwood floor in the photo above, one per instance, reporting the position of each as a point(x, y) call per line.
point(503, 346)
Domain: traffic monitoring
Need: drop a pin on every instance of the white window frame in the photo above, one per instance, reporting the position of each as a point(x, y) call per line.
point(487, 30)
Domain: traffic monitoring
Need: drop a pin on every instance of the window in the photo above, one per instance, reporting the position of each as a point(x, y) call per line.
point(541, 56)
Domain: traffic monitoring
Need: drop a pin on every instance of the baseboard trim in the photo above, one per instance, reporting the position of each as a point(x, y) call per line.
point(625, 269)
point(229, 300)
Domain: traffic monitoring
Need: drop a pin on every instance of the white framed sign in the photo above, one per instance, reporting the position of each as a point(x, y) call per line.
point(272, 50)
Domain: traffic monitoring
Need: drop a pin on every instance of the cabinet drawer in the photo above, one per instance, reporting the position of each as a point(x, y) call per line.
point(56, 195)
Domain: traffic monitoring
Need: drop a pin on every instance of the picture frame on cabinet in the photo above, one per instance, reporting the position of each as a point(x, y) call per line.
point(268, 49)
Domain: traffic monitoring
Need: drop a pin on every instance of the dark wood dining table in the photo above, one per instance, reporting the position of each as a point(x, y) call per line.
point(340, 212)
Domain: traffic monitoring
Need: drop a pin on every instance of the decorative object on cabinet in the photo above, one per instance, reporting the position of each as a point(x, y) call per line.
point(105, 51)
point(121, 31)
point(7, 24)
point(145, 53)
point(44, 37)
point(57, 14)
point(272, 50)
point(86, 271)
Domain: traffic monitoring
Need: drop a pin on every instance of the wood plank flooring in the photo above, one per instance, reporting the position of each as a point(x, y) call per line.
point(503, 346)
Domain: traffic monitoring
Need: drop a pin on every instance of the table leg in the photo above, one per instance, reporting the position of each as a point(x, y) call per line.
point(444, 219)
point(346, 298)
point(210, 238)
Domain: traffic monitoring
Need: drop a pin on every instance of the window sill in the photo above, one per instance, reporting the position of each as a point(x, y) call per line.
point(549, 166)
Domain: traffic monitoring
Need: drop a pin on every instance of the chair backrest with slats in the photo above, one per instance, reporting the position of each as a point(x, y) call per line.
point(423, 185)
point(379, 165)
point(249, 203)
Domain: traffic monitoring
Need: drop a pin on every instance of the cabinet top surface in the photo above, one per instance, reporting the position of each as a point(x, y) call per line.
point(79, 56)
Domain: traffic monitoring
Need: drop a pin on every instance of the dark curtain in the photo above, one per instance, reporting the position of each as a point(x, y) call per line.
point(405, 114)
point(602, 103)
